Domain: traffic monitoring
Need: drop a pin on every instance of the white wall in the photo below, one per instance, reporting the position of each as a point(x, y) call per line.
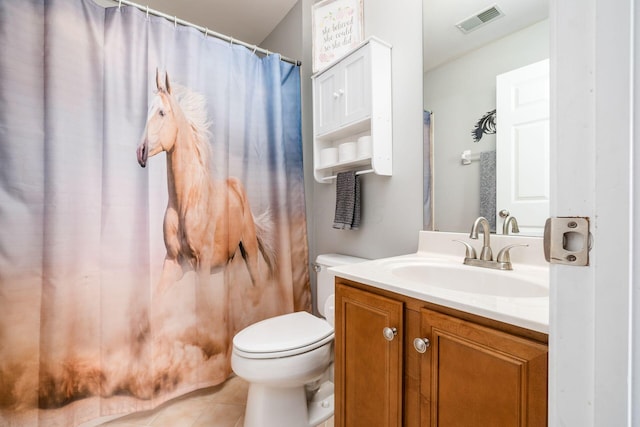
point(286, 37)
point(391, 206)
point(594, 134)
point(458, 93)
point(635, 273)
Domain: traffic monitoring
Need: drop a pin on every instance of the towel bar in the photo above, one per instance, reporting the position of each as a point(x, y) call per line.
point(362, 172)
point(466, 157)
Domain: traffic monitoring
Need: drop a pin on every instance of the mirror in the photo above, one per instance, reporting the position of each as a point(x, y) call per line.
point(460, 70)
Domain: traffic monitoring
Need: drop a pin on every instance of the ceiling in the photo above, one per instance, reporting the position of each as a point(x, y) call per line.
point(444, 41)
point(251, 21)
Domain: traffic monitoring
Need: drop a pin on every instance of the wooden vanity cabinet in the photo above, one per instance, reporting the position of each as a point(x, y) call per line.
point(473, 375)
point(475, 372)
point(368, 366)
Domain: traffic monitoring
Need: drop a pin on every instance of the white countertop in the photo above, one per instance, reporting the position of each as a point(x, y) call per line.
point(527, 312)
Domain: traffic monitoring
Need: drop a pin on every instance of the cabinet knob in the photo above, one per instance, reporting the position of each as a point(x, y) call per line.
point(421, 344)
point(389, 333)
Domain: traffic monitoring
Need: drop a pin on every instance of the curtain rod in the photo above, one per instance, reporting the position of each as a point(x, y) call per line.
point(206, 31)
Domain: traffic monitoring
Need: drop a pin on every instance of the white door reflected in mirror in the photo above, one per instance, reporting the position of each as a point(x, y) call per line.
point(522, 147)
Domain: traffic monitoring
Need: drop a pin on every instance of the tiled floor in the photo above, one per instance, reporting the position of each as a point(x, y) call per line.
point(220, 406)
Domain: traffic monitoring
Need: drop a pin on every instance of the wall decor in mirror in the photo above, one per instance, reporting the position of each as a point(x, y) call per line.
point(467, 45)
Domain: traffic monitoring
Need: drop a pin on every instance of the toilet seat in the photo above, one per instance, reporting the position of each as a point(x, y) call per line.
point(282, 336)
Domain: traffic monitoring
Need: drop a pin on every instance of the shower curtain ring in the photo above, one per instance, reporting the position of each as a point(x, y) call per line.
point(254, 49)
point(119, 4)
point(206, 32)
point(231, 42)
point(175, 22)
point(147, 11)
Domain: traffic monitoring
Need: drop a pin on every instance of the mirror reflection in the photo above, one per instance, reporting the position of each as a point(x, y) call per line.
point(486, 89)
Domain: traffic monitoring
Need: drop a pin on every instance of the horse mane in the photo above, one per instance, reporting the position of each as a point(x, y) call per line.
point(194, 108)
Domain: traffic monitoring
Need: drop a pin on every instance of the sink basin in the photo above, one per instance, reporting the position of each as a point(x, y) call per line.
point(472, 280)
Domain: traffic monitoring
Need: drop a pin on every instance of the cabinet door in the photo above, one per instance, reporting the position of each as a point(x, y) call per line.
point(476, 376)
point(356, 92)
point(368, 367)
point(522, 146)
point(327, 98)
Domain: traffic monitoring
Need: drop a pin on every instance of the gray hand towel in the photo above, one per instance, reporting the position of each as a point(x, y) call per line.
point(488, 187)
point(347, 215)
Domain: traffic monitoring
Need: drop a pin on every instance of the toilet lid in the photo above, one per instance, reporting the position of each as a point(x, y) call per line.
point(283, 335)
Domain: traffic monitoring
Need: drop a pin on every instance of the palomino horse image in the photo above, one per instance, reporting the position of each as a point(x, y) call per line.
point(207, 221)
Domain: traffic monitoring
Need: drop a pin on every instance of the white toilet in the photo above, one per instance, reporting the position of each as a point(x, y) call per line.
point(287, 360)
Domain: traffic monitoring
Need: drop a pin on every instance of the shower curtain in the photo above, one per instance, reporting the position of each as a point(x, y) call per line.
point(84, 331)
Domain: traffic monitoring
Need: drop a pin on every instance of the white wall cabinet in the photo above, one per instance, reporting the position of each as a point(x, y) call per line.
point(343, 93)
point(352, 98)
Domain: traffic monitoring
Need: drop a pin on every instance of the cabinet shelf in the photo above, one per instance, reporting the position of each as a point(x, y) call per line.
point(362, 172)
point(352, 99)
point(346, 130)
point(362, 166)
point(346, 164)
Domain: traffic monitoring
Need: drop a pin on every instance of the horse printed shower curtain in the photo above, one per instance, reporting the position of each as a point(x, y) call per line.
point(121, 286)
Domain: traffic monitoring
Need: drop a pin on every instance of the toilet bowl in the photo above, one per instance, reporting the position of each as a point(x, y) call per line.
point(287, 360)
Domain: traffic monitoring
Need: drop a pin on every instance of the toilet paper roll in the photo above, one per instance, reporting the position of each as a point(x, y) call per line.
point(365, 146)
point(347, 151)
point(330, 309)
point(328, 156)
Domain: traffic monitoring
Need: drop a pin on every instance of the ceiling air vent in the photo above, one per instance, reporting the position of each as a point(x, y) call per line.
point(479, 19)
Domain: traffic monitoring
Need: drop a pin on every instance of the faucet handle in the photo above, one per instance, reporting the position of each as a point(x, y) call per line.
point(503, 255)
point(471, 252)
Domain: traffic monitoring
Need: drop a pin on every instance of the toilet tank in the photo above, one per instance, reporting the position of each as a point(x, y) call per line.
point(325, 283)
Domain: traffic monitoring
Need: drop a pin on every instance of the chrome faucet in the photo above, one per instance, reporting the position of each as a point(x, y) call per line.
point(514, 225)
point(502, 262)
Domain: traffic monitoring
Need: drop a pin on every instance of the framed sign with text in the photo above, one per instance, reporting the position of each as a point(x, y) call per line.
point(337, 28)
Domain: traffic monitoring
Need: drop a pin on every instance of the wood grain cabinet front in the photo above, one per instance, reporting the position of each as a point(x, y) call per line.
point(368, 365)
point(477, 376)
point(405, 362)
